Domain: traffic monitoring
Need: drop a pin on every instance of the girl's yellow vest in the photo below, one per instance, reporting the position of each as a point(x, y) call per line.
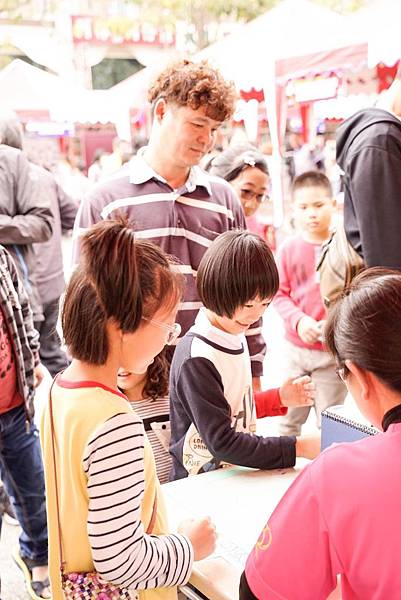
point(78, 412)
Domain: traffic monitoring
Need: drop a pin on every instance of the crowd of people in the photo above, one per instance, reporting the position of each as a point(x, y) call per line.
point(163, 354)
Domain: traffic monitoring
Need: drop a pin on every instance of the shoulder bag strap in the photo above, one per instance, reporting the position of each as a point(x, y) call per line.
point(62, 562)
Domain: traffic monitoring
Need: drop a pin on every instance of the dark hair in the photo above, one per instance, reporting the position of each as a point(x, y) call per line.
point(230, 163)
point(312, 179)
point(364, 326)
point(118, 278)
point(195, 85)
point(236, 268)
point(156, 382)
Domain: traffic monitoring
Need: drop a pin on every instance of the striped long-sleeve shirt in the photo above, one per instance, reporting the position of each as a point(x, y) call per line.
point(106, 488)
point(182, 222)
point(155, 415)
point(122, 552)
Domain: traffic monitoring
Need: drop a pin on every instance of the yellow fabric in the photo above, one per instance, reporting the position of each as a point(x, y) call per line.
point(78, 412)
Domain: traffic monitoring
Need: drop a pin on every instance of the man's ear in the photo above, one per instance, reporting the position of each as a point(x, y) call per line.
point(160, 109)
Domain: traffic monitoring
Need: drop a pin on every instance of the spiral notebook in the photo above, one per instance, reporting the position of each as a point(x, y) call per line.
point(340, 424)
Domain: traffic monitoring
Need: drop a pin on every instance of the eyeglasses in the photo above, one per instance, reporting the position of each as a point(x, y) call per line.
point(249, 195)
point(173, 330)
point(342, 372)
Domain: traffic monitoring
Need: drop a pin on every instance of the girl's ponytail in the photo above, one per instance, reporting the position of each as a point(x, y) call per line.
point(118, 278)
point(109, 259)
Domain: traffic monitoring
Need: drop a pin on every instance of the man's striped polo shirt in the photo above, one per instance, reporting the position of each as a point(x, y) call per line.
point(182, 222)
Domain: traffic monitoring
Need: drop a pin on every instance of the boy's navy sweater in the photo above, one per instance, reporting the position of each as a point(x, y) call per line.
point(212, 410)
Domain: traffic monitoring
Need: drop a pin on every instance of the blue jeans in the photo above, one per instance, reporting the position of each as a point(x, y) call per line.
point(21, 470)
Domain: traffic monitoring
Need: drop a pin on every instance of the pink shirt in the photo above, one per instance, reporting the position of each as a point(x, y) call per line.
point(9, 395)
point(342, 515)
point(299, 292)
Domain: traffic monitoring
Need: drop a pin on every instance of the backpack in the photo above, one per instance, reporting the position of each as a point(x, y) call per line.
point(338, 265)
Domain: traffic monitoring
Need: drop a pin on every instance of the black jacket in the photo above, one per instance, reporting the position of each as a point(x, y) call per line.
point(369, 153)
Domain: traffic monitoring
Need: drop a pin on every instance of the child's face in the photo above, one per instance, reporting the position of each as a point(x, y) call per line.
point(138, 349)
point(126, 380)
point(313, 210)
point(243, 318)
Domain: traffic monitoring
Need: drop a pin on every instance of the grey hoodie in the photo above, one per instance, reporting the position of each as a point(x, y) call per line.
point(25, 217)
point(49, 271)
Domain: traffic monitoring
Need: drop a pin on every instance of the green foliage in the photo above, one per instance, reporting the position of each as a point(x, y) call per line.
point(18, 10)
point(11, 9)
point(343, 6)
point(111, 71)
point(211, 9)
point(200, 13)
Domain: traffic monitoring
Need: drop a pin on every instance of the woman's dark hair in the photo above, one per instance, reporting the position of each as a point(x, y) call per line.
point(156, 383)
point(230, 163)
point(118, 278)
point(238, 267)
point(364, 326)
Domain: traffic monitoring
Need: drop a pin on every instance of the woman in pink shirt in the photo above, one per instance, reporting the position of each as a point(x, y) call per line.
point(342, 515)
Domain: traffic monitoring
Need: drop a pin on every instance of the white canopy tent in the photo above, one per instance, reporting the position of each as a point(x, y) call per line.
point(379, 23)
point(291, 29)
point(31, 91)
point(24, 87)
point(295, 37)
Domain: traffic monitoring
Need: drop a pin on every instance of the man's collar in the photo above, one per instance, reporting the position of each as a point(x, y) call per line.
point(141, 172)
point(198, 178)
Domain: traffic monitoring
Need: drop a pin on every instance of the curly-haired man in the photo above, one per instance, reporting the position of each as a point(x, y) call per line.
point(164, 193)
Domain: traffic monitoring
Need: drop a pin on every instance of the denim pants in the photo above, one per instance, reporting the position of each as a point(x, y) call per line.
point(21, 471)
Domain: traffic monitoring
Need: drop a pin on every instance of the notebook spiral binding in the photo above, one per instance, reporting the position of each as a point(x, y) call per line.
point(339, 426)
point(368, 429)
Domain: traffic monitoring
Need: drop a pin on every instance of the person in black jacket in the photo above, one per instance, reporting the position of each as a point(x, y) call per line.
point(369, 153)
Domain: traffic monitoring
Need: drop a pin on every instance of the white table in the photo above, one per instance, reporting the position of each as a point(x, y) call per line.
point(239, 501)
